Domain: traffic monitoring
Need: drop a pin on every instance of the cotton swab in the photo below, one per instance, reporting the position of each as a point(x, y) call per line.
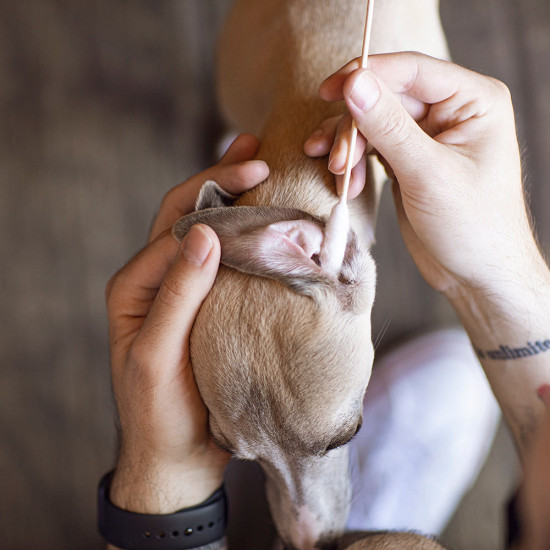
point(337, 227)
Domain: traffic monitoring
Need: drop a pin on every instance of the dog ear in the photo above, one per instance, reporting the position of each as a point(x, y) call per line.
point(284, 244)
point(212, 195)
point(279, 243)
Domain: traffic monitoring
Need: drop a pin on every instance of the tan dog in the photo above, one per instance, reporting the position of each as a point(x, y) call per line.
point(281, 349)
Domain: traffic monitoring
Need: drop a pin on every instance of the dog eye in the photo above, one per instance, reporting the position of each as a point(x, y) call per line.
point(223, 445)
point(341, 441)
point(335, 445)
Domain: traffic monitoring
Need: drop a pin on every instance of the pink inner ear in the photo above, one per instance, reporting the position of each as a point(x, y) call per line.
point(295, 236)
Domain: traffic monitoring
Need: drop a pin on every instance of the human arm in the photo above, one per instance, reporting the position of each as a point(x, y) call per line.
point(447, 137)
point(167, 459)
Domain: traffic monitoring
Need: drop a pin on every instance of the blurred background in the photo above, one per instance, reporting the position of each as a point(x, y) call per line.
point(104, 106)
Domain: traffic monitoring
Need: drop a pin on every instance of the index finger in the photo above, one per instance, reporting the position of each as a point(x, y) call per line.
point(416, 75)
point(235, 173)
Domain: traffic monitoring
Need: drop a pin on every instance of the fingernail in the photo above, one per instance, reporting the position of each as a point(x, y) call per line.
point(331, 157)
point(254, 163)
point(323, 84)
point(197, 245)
point(331, 163)
point(315, 136)
point(339, 181)
point(365, 92)
point(332, 166)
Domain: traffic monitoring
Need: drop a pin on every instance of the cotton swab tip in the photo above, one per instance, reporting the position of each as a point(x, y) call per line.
point(335, 241)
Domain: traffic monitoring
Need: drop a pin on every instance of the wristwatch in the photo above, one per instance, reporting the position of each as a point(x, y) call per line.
point(188, 528)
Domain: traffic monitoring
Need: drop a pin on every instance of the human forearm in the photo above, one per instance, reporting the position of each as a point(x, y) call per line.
point(161, 490)
point(446, 136)
point(458, 192)
point(509, 326)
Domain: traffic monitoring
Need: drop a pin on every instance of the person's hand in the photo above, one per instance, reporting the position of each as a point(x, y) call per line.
point(167, 459)
point(447, 137)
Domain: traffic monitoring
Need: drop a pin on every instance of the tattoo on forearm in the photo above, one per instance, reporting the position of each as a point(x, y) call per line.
point(507, 353)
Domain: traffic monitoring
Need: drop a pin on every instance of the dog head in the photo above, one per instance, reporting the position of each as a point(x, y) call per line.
point(282, 355)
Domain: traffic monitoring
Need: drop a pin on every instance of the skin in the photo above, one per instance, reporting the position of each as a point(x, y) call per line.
point(447, 138)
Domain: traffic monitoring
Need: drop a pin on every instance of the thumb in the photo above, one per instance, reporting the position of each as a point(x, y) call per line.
point(386, 124)
point(164, 337)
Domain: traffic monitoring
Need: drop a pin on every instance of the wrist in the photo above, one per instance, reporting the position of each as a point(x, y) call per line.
point(516, 307)
point(509, 327)
point(161, 489)
point(515, 316)
point(194, 527)
point(509, 265)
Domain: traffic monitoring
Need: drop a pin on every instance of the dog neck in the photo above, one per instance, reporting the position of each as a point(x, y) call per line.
point(295, 180)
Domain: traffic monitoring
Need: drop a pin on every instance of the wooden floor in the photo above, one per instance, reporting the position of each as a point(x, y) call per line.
point(103, 107)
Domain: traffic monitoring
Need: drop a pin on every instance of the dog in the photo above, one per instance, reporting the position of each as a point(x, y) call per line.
point(281, 348)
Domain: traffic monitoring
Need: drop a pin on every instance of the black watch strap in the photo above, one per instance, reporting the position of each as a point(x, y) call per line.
point(188, 528)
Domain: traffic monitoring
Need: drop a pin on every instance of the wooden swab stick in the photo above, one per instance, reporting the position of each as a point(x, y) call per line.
point(353, 140)
point(336, 230)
